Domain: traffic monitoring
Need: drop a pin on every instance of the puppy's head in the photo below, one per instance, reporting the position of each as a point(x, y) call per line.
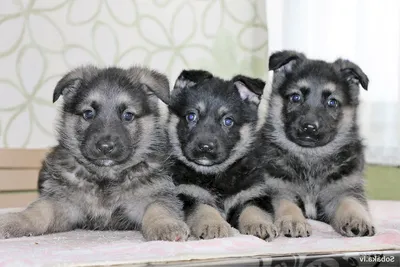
point(213, 120)
point(109, 114)
point(317, 99)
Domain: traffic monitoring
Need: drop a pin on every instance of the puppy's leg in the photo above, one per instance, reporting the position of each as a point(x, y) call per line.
point(352, 218)
point(159, 223)
point(345, 207)
point(206, 222)
point(257, 222)
point(290, 220)
point(41, 217)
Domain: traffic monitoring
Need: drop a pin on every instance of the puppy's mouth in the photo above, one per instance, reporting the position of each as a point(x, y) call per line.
point(309, 141)
point(104, 162)
point(204, 161)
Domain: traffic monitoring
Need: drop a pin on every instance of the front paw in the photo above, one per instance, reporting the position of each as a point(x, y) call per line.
point(264, 230)
point(294, 227)
point(354, 225)
point(167, 229)
point(211, 228)
point(14, 225)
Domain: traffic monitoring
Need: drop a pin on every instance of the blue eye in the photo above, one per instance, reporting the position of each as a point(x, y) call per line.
point(127, 116)
point(228, 122)
point(333, 103)
point(88, 114)
point(191, 117)
point(295, 98)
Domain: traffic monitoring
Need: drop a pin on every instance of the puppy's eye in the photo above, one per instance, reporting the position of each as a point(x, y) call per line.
point(191, 117)
point(127, 116)
point(295, 98)
point(88, 114)
point(228, 122)
point(333, 103)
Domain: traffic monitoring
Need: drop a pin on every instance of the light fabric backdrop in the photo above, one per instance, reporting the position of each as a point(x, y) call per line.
point(364, 31)
point(40, 40)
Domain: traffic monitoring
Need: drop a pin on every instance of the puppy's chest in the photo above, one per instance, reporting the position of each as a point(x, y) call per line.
point(223, 184)
point(308, 182)
point(101, 204)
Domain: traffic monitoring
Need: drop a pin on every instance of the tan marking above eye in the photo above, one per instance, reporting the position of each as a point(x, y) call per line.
point(303, 83)
point(222, 110)
point(201, 106)
point(331, 87)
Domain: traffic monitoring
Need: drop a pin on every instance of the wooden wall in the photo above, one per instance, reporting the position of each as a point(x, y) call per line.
point(19, 170)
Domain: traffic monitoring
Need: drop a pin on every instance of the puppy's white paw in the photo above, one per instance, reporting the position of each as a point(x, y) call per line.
point(262, 229)
point(167, 229)
point(211, 228)
point(293, 227)
point(352, 219)
point(354, 225)
point(14, 225)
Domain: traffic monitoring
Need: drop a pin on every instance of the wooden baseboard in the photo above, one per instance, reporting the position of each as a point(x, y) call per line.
point(19, 171)
point(21, 158)
point(17, 199)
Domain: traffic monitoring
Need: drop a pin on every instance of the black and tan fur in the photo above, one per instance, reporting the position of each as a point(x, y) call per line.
point(108, 171)
point(310, 148)
point(213, 169)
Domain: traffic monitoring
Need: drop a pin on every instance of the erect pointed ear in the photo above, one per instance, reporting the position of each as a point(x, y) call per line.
point(189, 78)
point(250, 89)
point(351, 72)
point(284, 61)
point(154, 82)
point(72, 81)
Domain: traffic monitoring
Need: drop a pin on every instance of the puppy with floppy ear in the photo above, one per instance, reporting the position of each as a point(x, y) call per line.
point(212, 130)
point(313, 155)
point(108, 171)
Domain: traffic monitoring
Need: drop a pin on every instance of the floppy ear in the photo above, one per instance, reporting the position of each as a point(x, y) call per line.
point(72, 81)
point(189, 78)
point(285, 60)
point(250, 89)
point(351, 72)
point(154, 82)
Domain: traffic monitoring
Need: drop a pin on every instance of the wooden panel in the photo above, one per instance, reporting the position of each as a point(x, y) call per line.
point(16, 200)
point(17, 180)
point(21, 158)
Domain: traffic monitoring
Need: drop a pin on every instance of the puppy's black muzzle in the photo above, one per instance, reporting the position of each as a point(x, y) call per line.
point(206, 149)
point(309, 130)
point(105, 146)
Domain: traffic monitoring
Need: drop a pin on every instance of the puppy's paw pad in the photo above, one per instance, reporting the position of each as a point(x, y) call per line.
point(264, 230)
point(294, 227)
point(211, 229)
point(167, 230)
point(353, 226)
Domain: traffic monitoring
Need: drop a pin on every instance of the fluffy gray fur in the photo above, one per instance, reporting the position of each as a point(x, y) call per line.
point(128, 191)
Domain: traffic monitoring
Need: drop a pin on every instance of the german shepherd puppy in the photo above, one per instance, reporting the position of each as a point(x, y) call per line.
point(107, 171)
point(212, 130)
point(310, 146)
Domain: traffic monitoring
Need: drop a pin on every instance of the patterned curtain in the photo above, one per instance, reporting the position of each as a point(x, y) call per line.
point(41, 40)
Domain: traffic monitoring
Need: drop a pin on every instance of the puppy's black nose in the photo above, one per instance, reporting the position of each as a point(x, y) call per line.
point(105, 147)
point(207, 147)
point(310, 128)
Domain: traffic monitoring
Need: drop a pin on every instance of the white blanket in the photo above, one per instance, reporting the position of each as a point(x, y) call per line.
point(100, 248)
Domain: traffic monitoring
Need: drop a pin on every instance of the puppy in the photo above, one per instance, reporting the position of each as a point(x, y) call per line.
point(311, 150)
point(212, 130)
point(107, 171)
